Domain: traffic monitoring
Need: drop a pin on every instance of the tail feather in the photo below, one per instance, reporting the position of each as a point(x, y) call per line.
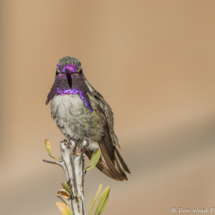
point(102, 166)
point(120, 167)
point(125, 167)
point(110, 163)
point(113, 170)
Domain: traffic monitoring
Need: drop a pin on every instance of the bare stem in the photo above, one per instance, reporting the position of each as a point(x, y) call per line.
point(72, 163)
point(50, 162)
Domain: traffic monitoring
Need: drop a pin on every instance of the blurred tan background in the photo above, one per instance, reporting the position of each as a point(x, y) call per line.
point(153, 61)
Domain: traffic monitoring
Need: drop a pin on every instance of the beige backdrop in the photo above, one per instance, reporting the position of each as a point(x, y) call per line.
point(152, 60)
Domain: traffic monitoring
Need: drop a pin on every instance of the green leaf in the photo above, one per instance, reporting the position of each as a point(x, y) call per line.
point(64, 209)
point(67, 188)
point(93, 202)
point(102, 203)
point(94, 160)
point(48, 148)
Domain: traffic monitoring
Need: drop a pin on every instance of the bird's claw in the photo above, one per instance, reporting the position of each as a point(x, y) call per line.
point(84, 145)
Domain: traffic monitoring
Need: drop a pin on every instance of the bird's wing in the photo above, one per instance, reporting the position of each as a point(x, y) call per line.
point(105, 108)
point(111, 162)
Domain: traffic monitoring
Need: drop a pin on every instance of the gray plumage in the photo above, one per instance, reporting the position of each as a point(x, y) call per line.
point(85, 115)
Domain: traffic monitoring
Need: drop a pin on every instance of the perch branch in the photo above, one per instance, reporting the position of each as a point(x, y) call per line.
point(72, 162)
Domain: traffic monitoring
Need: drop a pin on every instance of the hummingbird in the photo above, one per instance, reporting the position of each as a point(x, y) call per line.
point(81, 113)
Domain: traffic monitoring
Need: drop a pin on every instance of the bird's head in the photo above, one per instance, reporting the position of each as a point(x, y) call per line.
point(68, 66)
point(68, 79)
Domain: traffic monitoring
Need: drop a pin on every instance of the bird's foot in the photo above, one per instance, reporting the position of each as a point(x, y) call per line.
point(76, 144)
point(72, 139)
point(84, 145)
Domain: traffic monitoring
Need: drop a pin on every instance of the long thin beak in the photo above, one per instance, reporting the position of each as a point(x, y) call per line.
point(69, 78)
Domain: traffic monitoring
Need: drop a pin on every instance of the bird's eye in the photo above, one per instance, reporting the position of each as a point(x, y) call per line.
point(57, 72)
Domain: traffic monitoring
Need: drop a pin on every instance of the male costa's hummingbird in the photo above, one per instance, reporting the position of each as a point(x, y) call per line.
point(81, 113)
